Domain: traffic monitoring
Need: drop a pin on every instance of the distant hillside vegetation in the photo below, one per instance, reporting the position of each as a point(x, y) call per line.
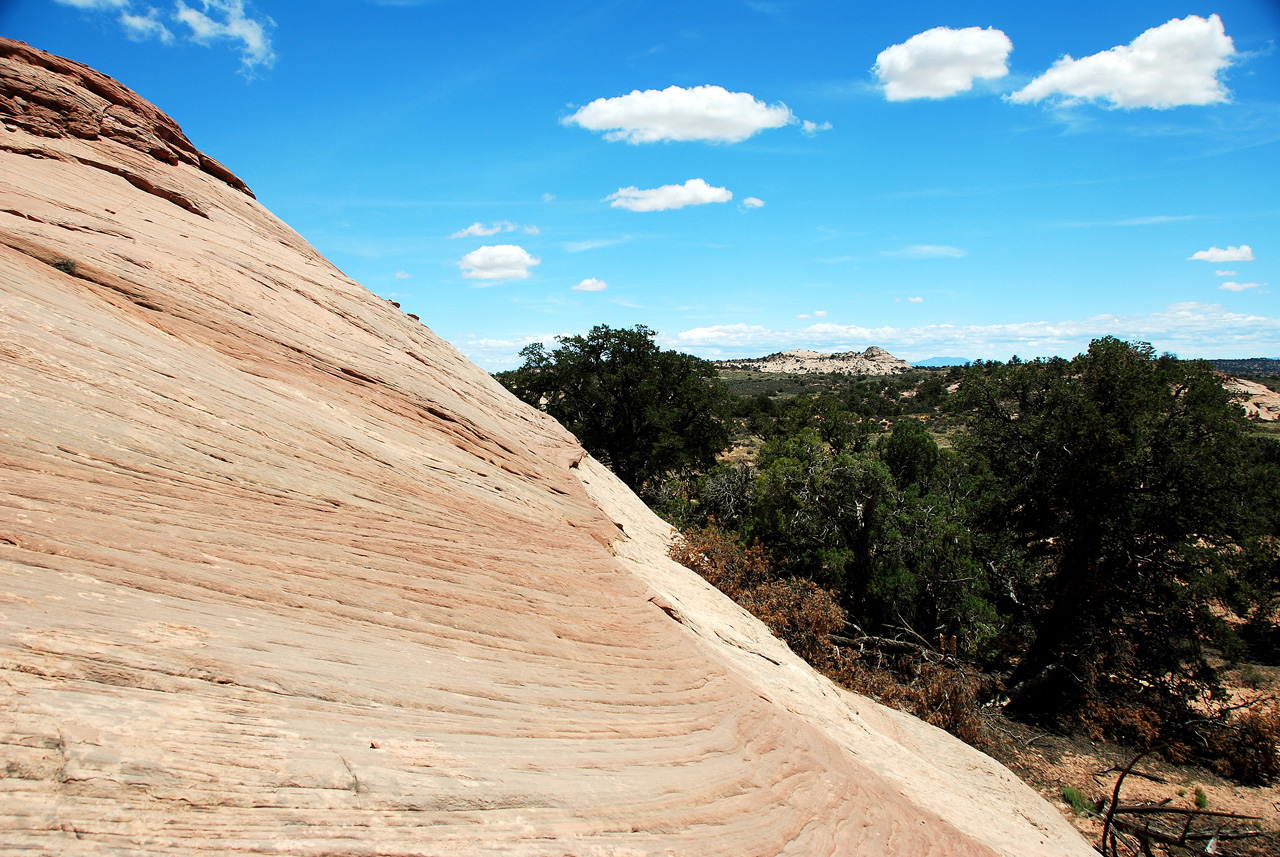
point(1248, 366)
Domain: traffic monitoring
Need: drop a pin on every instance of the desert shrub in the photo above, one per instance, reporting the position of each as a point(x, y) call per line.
point(727, 492)
point(1127, 721)
point(796, 611)
point(721, 561)
point(799, 612)
point(66, 266)
point(943, 695)
point(1244, 747)
point(910, 452)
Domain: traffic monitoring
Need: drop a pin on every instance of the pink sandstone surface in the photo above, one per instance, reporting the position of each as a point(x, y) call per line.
point(282, 572)
point(1259, 401)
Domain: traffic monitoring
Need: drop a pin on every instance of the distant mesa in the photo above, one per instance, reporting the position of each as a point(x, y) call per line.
point(801, 361)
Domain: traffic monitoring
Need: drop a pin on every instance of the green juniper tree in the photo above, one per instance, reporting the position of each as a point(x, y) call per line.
point(1119, 475)
point(644, 411)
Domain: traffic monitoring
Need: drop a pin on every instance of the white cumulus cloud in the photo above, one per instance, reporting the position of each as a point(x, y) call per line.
point(1239, 287)
point(942, 62)
point(1243, 253)
point(753, 202)
point(498, 262)
point(692, 192)
point(1225, 273)
point(1175, 64)
point(403, 275)
point(710, 113)
point(811, 129)
point(591, 284)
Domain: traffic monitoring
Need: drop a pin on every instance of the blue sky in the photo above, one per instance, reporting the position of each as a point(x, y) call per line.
point(973, 180)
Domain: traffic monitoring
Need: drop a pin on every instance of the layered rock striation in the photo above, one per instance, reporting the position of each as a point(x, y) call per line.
point(281, 571)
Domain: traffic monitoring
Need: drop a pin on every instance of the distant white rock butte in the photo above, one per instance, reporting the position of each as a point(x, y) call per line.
point(801, 361)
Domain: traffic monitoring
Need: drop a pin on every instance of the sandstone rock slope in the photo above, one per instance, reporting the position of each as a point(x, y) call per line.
point(281, 571)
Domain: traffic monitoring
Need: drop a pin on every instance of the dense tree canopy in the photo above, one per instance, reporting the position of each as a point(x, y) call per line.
point(1121, 477)
point(644, 411)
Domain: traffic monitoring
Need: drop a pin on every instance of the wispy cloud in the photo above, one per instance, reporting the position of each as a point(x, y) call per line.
point(207, 22)
point(1239, 287)
point(926, 251)
point(593, 244)
point(1152, 220)
point(227, 21)
point(591, 284)
point(480, 230)
point(692, 192)
point(1182, 328)
point(94, 4)
point(498, 354)
point(139, 28)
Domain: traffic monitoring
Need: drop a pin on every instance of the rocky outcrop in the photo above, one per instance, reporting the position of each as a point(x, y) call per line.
point(281, 571)
point(873, 361)
point(1259, 401)
point(48, 96)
